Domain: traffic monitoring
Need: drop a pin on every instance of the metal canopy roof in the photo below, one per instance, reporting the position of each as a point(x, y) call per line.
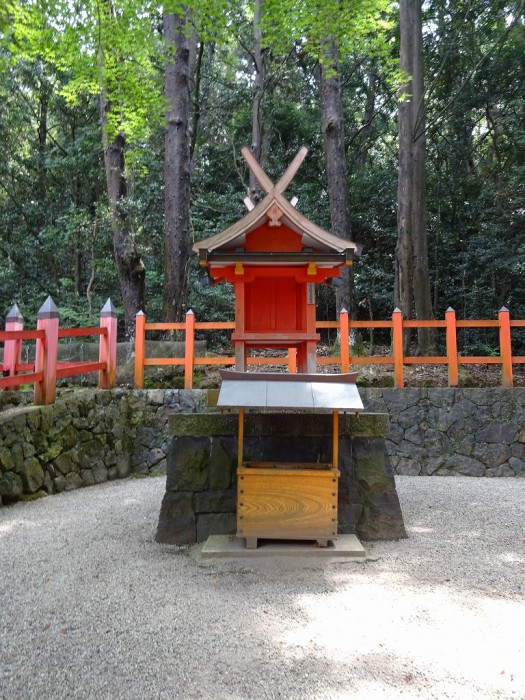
point(319, 392)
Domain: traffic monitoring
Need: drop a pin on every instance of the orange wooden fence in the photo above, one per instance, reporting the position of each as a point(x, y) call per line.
point(46, 368)
point(345, 360)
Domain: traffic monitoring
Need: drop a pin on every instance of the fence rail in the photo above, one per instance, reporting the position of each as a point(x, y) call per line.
point(46, 368)
point(397, 325)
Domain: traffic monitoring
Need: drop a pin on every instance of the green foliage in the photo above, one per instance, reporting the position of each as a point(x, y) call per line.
point(55, 231)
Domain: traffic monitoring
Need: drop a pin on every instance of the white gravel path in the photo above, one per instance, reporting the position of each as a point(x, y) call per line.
point(92, 607)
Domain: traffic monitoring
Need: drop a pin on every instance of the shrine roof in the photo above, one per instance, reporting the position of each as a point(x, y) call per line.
point(319, 392)
point(312, 234)
point(275, 210)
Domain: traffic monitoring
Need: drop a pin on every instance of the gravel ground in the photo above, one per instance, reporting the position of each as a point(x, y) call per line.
point(91, 607)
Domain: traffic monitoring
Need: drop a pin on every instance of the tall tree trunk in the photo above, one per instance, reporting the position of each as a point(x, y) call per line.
point(368, 116)
point(177, 165)
point(412, 291)
point(258, 91)
point(422, 293)
point(130, 268)
point(336, 168)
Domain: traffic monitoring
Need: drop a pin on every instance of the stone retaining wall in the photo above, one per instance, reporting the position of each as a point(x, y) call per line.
point(87, 437)
point(90, 436)
point(474, 432)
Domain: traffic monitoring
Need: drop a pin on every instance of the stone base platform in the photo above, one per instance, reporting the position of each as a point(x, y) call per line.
point(345, 547)
point(201, 484)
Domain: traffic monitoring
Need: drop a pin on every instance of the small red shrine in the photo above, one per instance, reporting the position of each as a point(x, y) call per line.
point(274, 257)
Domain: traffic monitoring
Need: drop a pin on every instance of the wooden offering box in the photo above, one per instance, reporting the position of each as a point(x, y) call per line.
point(288, 500)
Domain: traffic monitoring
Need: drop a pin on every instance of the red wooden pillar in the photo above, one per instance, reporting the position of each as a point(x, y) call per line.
point(108, 347)
point(309, 363)
point(46, 353)
point(140, 346)
point(452, 347)
point(189, 349)
point(397, 347)
point(505, 348)
point(13, 348)
point(240, 346)
point(344, 341)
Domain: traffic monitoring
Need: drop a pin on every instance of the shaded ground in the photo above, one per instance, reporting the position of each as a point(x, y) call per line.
point(92, 607)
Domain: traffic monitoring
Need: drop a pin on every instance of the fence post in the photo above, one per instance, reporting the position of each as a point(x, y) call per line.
point(397, 347)
point(107, 351)
point(189, 349)
point(505, 348)
point(13, 348)
point(452, 347)
point(46, 353)
point(292, 360)
point(344, 341)
point(140, 345)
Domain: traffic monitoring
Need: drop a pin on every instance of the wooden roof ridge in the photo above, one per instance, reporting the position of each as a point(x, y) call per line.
point(259, 212)
point(274, 197)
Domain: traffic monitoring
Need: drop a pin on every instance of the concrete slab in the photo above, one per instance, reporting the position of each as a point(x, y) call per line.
point(345, 547)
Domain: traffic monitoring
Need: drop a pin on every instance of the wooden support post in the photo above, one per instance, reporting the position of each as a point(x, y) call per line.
point(46, 353)
point(335, 440)
point(397, 347)
point(189, 349)
point(108, 346)
point(240, 438)
point(505, 348)
point(452, 347)
point(240, 347)
point(140, 347)
point(13, 348)
point(292, 360)
point(344, 341)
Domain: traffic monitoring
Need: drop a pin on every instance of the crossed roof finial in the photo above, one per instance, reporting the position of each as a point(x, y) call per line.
point(263, 179)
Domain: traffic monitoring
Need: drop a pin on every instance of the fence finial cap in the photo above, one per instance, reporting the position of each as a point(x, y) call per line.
point(397, 310)
point(140, 313)
point(48, 309)
point(108, 309)
point(15, 315)
point(190, 312)
point(450, 309)
point(503, 308)
point(343, 310)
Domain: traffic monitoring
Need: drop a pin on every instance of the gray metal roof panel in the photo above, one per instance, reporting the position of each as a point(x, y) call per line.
point(275, 393)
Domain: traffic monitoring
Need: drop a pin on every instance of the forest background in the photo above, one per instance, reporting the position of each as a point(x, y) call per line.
point(121, 124)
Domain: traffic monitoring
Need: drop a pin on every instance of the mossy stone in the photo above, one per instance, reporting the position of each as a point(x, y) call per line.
point(187, 464)
point(370, 464)
point(89, 453)
point(53, 451)
point(34, 496)
point(177, 523)
point(17, 452)
point(32, 475)
point(223, 462)
point(73, 481)
point(33, 418)
point(202, 424)
point(6, 459)
point(11, 487)
point(66, 462)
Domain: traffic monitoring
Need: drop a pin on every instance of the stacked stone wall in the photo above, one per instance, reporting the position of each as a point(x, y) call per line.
point(471, 432)
point(91, 436)
point(86, 437)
